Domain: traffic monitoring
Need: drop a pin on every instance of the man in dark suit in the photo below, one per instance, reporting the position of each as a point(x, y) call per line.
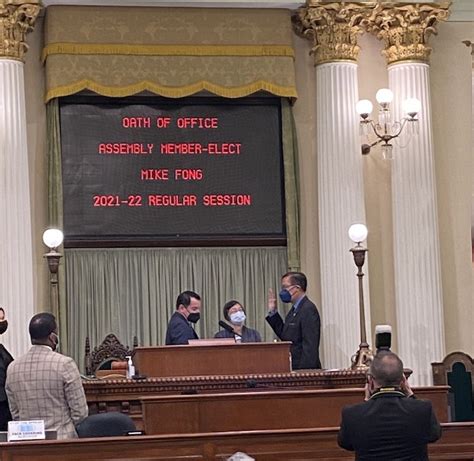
point(302, 324)
point(391, 424)
point(5, 360)
point(188, 311)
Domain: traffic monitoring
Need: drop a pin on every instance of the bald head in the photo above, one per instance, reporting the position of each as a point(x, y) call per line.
point(387, 369)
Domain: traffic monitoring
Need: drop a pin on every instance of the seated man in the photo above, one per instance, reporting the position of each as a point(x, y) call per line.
point(391, 424)
point(180, 331)
point(43, 384)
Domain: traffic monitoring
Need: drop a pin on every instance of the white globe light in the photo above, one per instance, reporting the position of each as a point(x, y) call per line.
point(364, 107)
point(384, 96)
point(358, 233)
point(52, 238)
point(411, 106)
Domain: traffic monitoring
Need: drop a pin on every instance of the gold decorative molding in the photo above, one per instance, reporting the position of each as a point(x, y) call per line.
point(333, 28)
point(17, 18)
point(406, 28)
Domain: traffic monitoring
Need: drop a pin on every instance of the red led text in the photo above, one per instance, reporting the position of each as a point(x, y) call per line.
point(124, 148)
point(136, 122)
point(191, 148)
point(227, 200)
point(197, 122)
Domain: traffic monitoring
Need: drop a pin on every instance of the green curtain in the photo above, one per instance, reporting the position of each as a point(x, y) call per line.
point(290, 161)
point(55, 201)
point(133, 291)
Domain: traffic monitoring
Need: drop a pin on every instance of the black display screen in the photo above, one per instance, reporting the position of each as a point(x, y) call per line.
point(171, 171)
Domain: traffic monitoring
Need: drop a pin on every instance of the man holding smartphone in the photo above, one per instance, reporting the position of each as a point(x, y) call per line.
point(391, 424)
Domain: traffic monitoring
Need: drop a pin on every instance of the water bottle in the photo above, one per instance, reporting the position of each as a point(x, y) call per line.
point(130, 367)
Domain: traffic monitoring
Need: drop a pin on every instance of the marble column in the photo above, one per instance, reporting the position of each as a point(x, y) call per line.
point(16, 253)
point(419, 303)
point(333, 30)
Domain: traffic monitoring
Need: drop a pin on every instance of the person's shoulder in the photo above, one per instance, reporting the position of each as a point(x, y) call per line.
point(55, 360)
point(356, 409)
point(177, 317)
point(308, 305)
point(26, 358)
point(417, 404)
point(173, 320)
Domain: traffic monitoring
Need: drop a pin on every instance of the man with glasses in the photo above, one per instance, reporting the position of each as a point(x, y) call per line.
point(43, 384)
point(302, 324)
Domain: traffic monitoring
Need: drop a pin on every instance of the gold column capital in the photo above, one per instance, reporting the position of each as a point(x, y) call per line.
point(333, 28)
point(17, 18)
point(406, 28)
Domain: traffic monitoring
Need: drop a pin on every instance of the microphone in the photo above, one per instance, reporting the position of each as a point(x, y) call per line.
point(383, 337)
point(227, 327)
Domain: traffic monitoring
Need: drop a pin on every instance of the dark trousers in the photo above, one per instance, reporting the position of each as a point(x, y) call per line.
point(5, 416)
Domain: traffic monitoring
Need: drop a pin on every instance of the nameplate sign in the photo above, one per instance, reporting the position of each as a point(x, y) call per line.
point(26, 430)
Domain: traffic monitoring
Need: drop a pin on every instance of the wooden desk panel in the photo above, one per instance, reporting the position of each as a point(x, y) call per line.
point(457, 443)
point(213, 360)
point(264, 410)
point(124, 395)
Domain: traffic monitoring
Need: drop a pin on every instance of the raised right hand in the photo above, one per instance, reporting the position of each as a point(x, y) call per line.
point(271, 301)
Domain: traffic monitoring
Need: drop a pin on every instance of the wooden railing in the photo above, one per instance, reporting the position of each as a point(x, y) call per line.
point(457, 443)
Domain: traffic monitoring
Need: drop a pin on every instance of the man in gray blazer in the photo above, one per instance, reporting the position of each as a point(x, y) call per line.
point(43, 384)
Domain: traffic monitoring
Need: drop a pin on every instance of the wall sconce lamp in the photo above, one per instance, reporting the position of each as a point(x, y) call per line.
point(53, 238)
point(362, 358)
point(386, 129)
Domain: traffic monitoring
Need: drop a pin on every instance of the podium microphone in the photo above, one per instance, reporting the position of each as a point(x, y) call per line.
point(383, 337)
point(227, 327)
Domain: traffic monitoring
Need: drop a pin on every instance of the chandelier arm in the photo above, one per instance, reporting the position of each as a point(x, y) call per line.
point(402, 125)
point(374, 128)
point(376, 142)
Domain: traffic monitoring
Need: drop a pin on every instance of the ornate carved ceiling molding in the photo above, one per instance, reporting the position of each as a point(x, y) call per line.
point(406, 28)
point(333, 28)
point(17, 18)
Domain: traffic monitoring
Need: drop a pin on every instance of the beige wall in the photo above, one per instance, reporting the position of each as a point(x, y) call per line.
point(451, 91)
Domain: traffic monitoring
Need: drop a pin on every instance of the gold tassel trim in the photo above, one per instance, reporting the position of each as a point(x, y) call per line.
point(167, 50)
point(172, 92)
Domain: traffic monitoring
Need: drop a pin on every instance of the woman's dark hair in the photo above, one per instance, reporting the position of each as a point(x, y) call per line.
point(228, 305)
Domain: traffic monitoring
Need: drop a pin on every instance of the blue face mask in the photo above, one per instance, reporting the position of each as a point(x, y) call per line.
point(285, 295)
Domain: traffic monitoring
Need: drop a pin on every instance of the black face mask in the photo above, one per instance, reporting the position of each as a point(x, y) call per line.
point(194, 317)
point(3, 326)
